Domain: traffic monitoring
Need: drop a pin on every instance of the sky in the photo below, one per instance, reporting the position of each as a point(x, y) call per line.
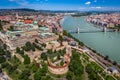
point(82, 5)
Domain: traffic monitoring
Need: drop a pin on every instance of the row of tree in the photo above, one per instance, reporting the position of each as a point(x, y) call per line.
point(75, 67)
point(4, 53)
point(41, 73)
point(93, 71)
point(11, 28)
point(69, 35)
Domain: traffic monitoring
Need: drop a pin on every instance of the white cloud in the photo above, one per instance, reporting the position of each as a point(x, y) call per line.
point(98, 7)
point(12, 0)
point(20, 2)
point(88, 3)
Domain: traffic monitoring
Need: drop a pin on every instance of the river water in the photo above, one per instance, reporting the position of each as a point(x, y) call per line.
point(106, 43)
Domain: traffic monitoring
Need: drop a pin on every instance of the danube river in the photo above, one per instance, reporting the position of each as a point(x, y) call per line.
point(106, 43)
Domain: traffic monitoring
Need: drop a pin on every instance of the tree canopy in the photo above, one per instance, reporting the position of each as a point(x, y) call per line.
point(26, 59)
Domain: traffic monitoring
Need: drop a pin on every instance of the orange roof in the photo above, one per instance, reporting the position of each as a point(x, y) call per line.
point(2, 17)
point(117, 22)
point(28, 21)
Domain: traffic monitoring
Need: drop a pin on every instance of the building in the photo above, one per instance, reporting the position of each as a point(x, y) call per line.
point(26, 32)
point(61, 69)
point(112, 70)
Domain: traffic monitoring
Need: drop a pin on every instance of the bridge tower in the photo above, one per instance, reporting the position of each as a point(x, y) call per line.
point(78, 30)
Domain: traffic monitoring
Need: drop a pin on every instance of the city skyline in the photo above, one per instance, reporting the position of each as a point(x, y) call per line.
point(83, 5)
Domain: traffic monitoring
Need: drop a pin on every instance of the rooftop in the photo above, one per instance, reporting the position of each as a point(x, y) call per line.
point(46, 34)
point(44, 28)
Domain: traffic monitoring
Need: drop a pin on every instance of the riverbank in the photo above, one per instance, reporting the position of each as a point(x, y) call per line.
point(83, 46)
point(106, 43)
point(102, 61)
point(110, 29)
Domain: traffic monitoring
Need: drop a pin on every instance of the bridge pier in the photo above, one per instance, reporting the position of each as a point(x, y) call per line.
point(104, 29)
point(78, 30)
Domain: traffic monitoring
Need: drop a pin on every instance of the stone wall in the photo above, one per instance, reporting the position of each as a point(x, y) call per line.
point(58, 69)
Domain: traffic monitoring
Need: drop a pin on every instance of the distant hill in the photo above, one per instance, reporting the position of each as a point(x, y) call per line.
point(51, 11)
point(27, 11)
point(19, 9)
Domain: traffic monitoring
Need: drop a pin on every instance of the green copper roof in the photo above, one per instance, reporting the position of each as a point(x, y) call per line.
point(35, 22)
point(44, 28)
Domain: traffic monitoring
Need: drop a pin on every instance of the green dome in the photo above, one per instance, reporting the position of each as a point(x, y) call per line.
point(35, 22)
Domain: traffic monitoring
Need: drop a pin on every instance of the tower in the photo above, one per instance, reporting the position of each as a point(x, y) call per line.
point(17, 16)
point(68, 50)
point(78, 30)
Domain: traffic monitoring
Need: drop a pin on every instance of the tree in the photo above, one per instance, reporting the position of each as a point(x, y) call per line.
point(28, 46)
point(34, 68)
point(40, 25)
point(1, 28)
point(75, 65)
point(5, 46)
point(49, 51)
point(2, 59)
point(70, 75)
point(41, 72)
point(44, 45)
point(4, 65)
point(11, 68)
point(22, 52)
point(114, 63)
point(44, 56)
point(65, 32)
point(26, 59)
point(32, 48)
point(47, 78)
point(58, 57)
point(11, 28)
point(0, 70)
point(61, 39)
point(25, 74)
point(37, 47)
point(78, 78)
point(37, 75)
point(44, 69)
point(93, 69)
point(8, 53)
point(17, 50)
point(106, 57)
point(36, 40)
point(2, 52)
point(118, 26)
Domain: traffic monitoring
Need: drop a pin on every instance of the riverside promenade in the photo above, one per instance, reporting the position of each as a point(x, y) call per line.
point(97, 59)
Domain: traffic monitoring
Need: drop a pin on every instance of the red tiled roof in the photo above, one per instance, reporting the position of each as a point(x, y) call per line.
point(117, 22)
point(2, 17)
point(28, 21)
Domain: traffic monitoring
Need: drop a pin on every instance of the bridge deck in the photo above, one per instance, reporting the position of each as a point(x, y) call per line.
point(89, 31)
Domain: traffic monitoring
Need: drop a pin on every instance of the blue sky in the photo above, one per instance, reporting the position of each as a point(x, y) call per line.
point(62, 4)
